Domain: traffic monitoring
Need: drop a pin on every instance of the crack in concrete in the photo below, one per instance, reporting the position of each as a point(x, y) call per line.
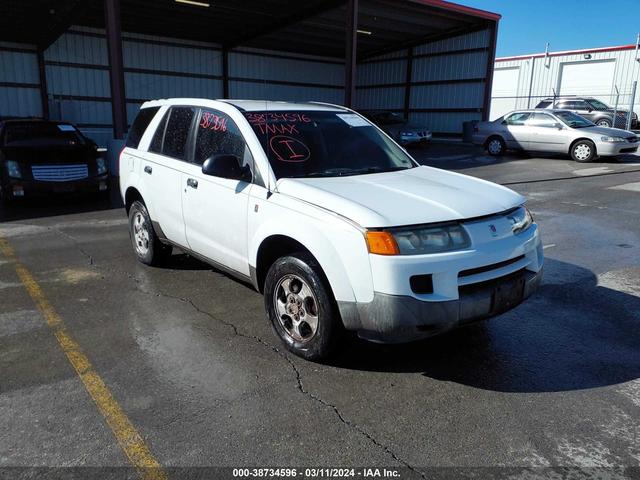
point(236, 331)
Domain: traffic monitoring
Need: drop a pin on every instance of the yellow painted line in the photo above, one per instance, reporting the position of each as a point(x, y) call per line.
point(126, 434)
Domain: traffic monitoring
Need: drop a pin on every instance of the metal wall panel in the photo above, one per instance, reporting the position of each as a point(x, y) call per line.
point(271, 91)
point(382, 72)
point(452, 95)
point(246, 65)
point(77, 81)
point(71, 47)
point(450, 67)
point(431, 63)
point(387, 98)
point(19, 67)
point(171, 58)
point(20, 102)
point(149, 86)
point(478, 39)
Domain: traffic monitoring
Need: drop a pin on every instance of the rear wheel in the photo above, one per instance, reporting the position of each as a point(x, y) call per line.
point(603, 122)
point(146, 245)
point(583, 151)
point(496, 146)
point(301, 307)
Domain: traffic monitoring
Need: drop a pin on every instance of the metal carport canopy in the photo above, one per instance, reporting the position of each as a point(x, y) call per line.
point(316, 27)
point(353, 30)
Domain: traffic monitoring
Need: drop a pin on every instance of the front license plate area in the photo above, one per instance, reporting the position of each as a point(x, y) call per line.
point(63, 188)
point(507, 294)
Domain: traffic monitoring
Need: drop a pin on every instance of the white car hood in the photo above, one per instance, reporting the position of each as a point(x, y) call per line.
point(405, 197)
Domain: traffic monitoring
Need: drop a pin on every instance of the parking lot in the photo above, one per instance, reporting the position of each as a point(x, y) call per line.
point(187, 357)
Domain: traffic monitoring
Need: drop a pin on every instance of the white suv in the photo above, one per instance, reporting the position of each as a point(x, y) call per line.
point(327, 216)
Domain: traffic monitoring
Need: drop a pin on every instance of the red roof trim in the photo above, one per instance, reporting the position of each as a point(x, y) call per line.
point(568, 52)
point(454, 7)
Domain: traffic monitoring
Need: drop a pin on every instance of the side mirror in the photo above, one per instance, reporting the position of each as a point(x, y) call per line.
point(226, 166)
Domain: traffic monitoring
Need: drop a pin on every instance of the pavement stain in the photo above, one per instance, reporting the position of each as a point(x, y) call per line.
point(76, 275)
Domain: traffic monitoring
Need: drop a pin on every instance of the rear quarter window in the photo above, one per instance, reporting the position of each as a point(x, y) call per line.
point(140, 124)
point(543, 104)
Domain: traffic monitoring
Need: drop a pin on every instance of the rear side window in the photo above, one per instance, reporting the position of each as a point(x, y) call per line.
point(543, 104)
point(158, 137)
point(140, 124)
point(177, 132)
point(517, 118)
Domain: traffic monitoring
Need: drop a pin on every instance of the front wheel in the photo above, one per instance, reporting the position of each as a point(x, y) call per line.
point(603, 123)
point(146, 245)
point(301, 308)
point(583, 151)
point(496, 146)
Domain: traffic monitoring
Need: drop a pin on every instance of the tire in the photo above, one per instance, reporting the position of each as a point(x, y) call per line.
point(496, 146)
point(146, 245)
point(604, 122)
point(295, 293)
point(583, 151)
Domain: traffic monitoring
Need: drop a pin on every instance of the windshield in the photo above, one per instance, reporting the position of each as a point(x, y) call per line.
point(598, 105)
point(574, 121)
point(325, 144)
point(41, 133)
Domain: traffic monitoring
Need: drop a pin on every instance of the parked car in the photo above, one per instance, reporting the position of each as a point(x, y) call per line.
point(39, 157)
point(323, 213)
point(399, 128)
point(553, 131)
point(592, 109)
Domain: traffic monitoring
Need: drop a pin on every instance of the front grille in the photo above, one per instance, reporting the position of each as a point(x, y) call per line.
point(59, 173)
point(488, 268)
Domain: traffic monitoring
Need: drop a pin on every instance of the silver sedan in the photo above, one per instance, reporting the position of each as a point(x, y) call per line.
point(553, 131)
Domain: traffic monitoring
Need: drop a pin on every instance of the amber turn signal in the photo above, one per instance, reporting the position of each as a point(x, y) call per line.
point(382, 243)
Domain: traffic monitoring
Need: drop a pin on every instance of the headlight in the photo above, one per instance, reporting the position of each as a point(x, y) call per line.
point(612, 139)
point(416, 240)
point(408, 134)
point(102, 166)
point(13, 169)
point(521, 219)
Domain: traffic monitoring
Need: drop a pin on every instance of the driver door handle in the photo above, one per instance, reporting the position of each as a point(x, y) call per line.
point(192, 182)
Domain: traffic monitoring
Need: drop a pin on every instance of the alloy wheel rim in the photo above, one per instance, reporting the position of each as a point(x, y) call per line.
point(140, 234)
point(297, 308)
point(603, 123)
point(582, 151)
point(495, 146)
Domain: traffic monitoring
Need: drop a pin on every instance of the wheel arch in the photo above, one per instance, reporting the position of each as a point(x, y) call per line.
point(131, 195)
point(581, 139)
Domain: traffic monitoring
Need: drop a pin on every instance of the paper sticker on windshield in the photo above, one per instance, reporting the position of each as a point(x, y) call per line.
point(67, 128)
point(288, 149)
point(353, 120)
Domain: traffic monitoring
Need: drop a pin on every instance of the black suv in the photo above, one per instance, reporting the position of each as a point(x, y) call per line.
point(592, 109)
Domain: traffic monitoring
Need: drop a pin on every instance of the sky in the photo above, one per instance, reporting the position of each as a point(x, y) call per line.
point(527, 25)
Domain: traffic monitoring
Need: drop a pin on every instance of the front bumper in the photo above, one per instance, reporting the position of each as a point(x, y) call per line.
point(17, 188)
point(616, 148)
point(397, 319)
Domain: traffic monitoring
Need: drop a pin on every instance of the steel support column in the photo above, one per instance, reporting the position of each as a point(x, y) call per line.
point(351, 46)
point(491, 58)
point(116, 72)
point(407, 83)
point(225, 72)
point(44, 95)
